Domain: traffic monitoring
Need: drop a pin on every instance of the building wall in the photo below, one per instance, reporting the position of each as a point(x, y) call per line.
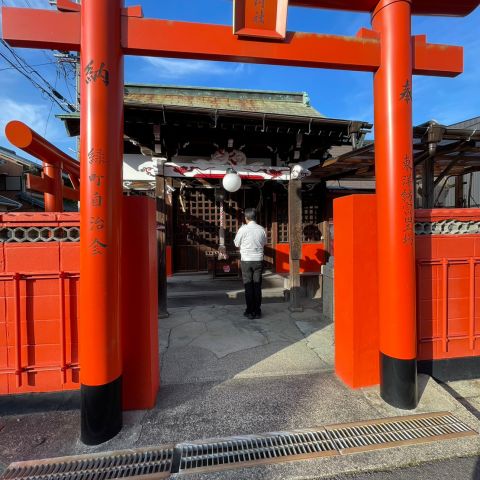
point(12, 185)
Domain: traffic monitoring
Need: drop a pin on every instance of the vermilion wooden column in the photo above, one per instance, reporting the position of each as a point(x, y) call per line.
point(395, 207)
point(100, 219)
point(53, 200)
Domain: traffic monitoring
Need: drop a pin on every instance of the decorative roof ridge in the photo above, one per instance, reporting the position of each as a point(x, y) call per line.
point(276, 95)
point(220, 89)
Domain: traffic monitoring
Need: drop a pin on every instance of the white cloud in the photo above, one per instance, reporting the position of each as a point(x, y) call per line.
point(172, 69)
point(34, 115)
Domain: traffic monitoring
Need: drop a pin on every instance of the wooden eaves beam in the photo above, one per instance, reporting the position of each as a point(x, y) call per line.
point(32, 28)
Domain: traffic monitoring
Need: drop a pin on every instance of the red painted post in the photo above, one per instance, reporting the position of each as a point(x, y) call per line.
point(395, 207)
point(100, 219)
point(54, 199)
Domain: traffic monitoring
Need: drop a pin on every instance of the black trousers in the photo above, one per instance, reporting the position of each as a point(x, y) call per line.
point(252, 280)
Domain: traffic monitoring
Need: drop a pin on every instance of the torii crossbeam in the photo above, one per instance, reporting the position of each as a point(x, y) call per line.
point(103, 32)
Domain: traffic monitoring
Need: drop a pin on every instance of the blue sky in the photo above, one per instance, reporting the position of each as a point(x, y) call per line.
point(336, 94)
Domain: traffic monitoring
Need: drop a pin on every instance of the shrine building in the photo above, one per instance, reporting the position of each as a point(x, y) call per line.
point(198, 133)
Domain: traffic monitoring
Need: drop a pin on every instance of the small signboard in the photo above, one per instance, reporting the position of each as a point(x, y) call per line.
point(260, 18)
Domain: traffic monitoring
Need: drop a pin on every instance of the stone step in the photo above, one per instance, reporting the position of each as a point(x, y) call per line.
point(224, 293)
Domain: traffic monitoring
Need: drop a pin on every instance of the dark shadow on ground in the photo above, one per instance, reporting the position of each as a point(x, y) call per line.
point(461, 399)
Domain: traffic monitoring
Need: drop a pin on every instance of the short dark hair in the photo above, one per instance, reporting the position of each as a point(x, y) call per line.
point(250, 214)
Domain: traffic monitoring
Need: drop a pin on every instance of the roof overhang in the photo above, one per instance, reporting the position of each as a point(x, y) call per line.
point(306, 123)
point(455, 152)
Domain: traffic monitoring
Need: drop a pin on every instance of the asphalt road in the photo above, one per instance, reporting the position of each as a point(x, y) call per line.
point(454, 469)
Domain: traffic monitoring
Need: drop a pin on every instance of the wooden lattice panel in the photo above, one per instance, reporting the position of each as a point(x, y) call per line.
point(196, 227)
point(311, 217)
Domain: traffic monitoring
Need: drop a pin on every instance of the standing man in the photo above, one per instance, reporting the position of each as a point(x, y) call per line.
point(251, 239)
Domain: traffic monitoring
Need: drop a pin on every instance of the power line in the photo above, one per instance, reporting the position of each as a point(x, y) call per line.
point(22, 66)
point(18, 63)
point(36, 65)
point(36, 84)
point(51, 106)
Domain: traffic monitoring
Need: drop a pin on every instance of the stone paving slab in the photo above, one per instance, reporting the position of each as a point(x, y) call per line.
point(213, 343)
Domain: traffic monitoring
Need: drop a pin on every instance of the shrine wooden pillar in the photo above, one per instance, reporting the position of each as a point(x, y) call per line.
point(101, 132)
point(459, 190)
point(295, 241)
point(160, 194)
point(428, 182)
point(395, 204)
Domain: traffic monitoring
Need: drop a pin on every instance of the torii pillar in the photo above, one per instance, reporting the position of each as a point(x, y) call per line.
point(395, 204)
point(104, 32)
point(101, 161)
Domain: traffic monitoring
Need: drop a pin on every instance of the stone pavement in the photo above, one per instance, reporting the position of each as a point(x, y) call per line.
point(216, 342)
point(224, 375)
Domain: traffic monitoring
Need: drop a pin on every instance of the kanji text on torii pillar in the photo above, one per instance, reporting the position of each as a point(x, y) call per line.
point(105, 31)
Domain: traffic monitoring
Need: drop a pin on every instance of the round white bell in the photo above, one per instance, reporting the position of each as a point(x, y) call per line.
point(232, 182)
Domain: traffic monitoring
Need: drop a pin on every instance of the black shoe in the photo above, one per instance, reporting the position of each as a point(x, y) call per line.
point(246, 313)
point(258, 315)
point(251, 316)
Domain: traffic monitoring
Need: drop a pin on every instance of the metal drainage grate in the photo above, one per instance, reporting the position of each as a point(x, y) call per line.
point(237, 452)
point(147, 463)
point(348, 438)
point(361, 436)
point(245, 451)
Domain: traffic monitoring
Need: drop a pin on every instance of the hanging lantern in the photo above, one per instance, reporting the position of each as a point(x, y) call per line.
point(231, 181)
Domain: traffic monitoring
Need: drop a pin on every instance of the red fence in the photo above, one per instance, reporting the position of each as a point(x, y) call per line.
point(448, 284)
point(39, 276)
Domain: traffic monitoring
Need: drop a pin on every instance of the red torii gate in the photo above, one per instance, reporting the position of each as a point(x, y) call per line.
point(104, 31)
point(54, 163)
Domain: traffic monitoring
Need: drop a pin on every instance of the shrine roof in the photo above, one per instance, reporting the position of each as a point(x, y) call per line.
point(235, 100)
point(199, 105)
point(195, 119)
